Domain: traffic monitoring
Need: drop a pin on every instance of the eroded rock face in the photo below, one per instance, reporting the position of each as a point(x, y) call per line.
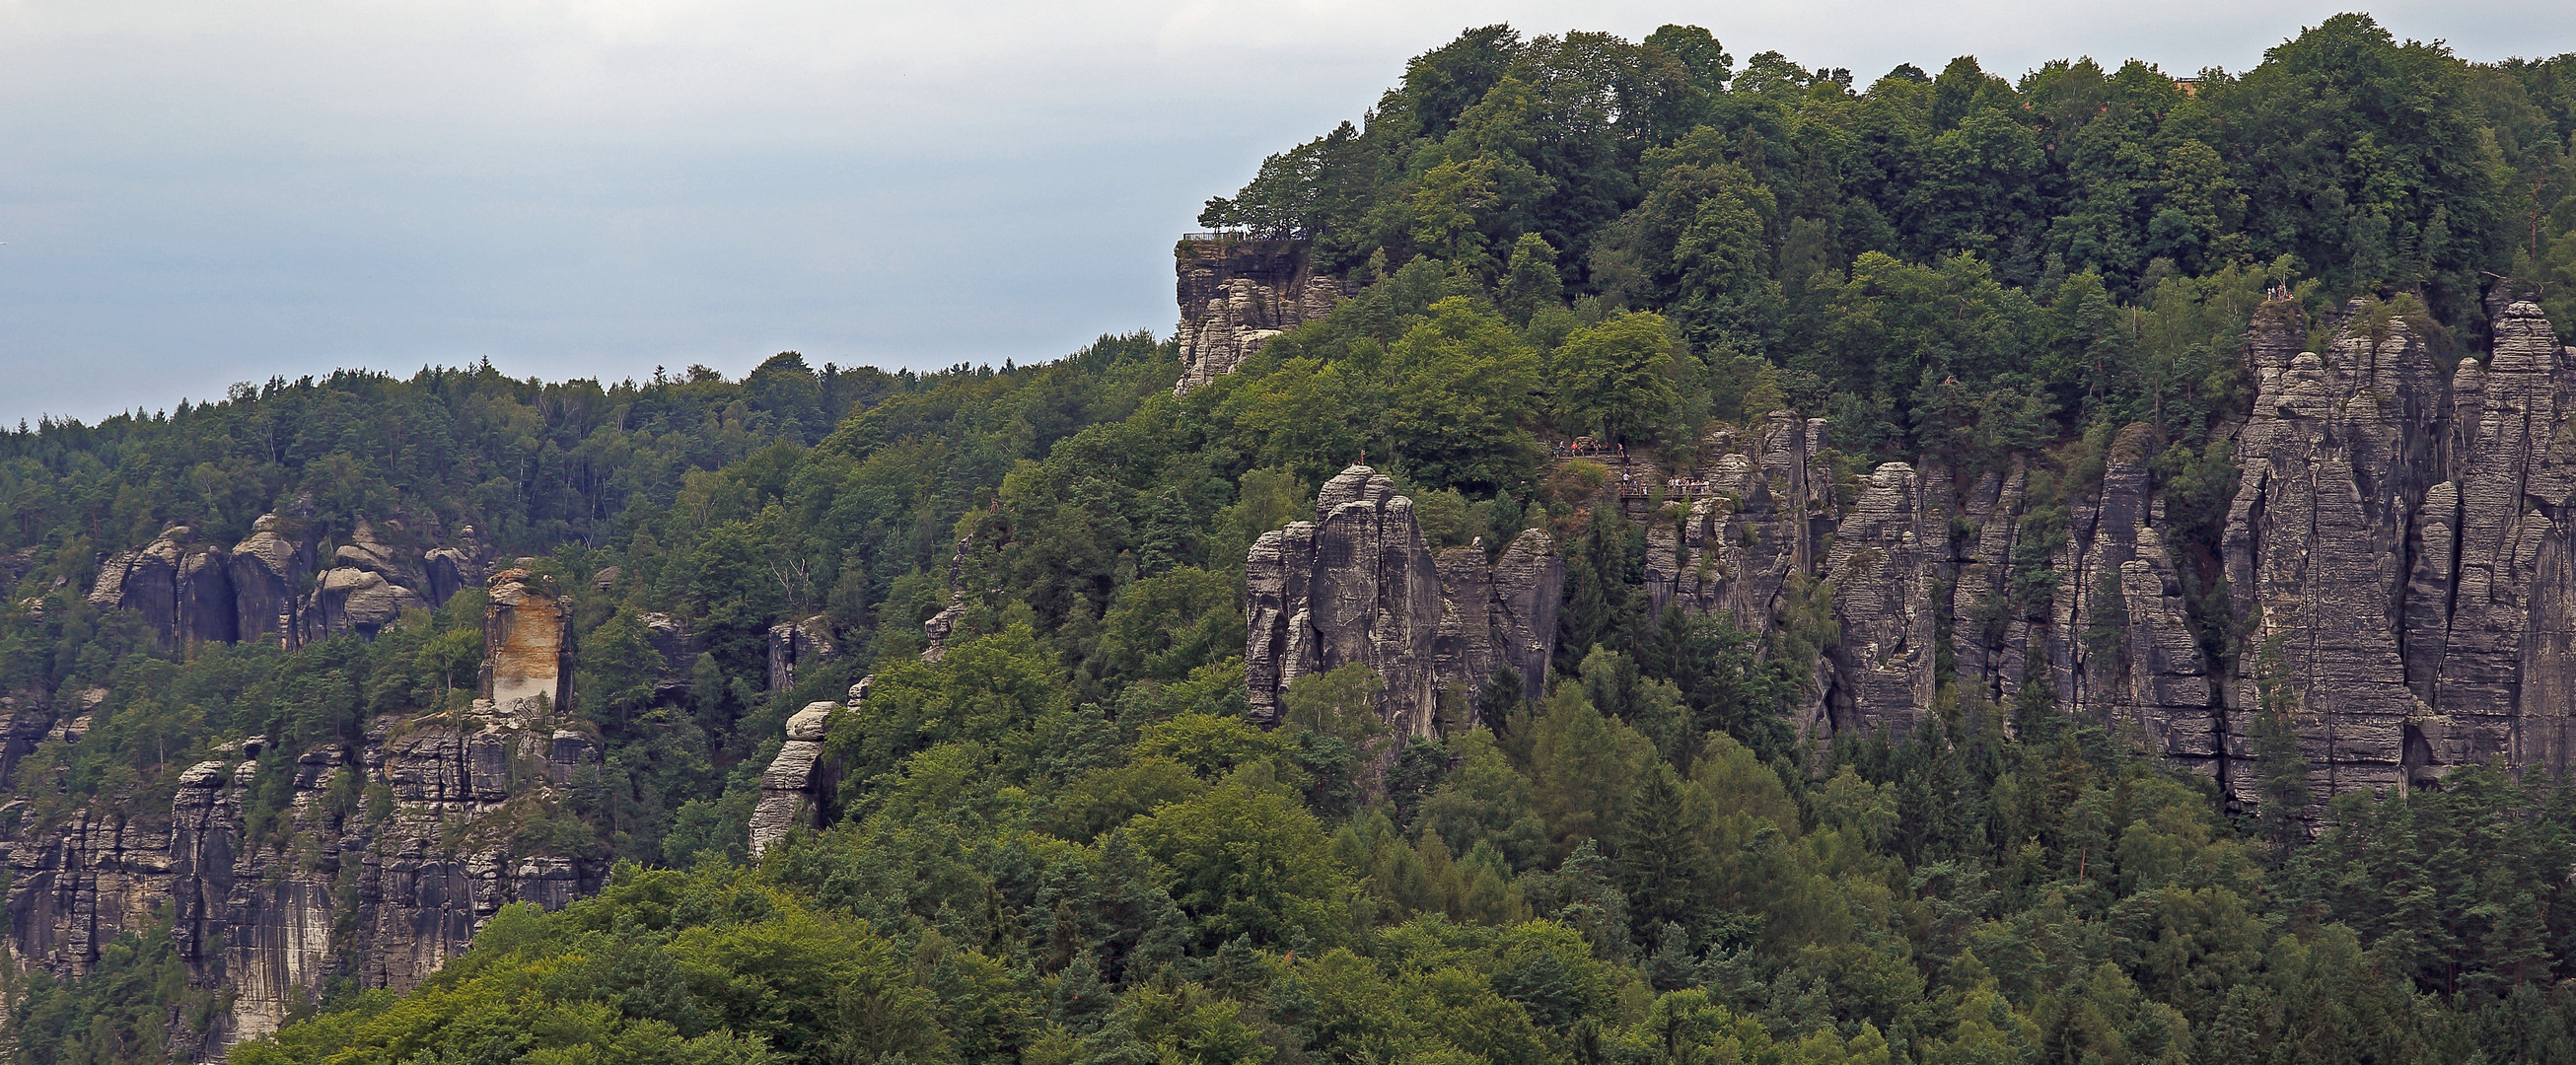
point(194, 592)
point(268, 570)
point(1358, 586)
point(526, 643)
point(1883, 567)
point(369, 585)
point(798, 788)
point(1237, 294)
point(2123, 650)
point(799, 645)
point(385, 895)
point(2337, 459)
point(464, 564)
point(2492, 545)
point(180, 587)
point(1734, 548)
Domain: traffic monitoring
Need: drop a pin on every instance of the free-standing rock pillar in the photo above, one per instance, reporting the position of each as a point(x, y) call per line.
point(1358, 586)
point(798, 789)
point(526, 644)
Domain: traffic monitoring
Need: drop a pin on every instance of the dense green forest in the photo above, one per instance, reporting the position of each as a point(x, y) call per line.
point(1064, 843)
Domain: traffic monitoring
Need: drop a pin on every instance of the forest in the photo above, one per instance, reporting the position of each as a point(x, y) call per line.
point(1065, 841)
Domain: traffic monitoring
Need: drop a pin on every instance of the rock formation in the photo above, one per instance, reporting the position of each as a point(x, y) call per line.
point(798, 645)
point(267, 572)
point(1883, 566)
point(1358, 586)
point(798, 789)
point(452, 569)
point(369, 585)
point(2397, 553)
point(1235, 294)
point(527, 643)
point(384, 890)
point(195, 592)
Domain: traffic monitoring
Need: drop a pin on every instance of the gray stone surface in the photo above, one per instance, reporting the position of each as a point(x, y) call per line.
point(1237, 294)
point(798, 788)
point(1358, 586)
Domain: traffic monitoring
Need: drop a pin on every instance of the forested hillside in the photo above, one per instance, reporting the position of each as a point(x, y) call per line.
point(1064, 837)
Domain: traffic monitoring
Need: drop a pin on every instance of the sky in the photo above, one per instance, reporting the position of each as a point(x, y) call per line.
point(196, 194)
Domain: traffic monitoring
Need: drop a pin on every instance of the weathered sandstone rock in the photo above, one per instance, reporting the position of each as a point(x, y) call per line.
point(1358, 586)
point(526, 638)
point(1235, 294)
point(800, 784)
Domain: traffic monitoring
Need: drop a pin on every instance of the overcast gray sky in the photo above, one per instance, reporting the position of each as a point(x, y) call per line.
point(194, 194)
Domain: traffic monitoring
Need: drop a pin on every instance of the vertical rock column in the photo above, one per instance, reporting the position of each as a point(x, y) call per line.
point(2490, 595)
point(1358, 586)
point(2122, 649)
point(268, 571)
point(1883, 568)
point(797, 790)
point(2336, 461)
point(526, 644)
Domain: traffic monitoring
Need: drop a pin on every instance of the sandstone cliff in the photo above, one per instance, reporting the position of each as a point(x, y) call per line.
point(798, 788)
point(2397, 557)
point(1237, 293)
point(1358, 586)
point(267, 587)
point(375, 861)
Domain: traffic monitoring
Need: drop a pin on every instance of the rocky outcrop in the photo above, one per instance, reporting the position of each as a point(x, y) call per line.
point(465, 564)
point(1358, 586)
point(798, 789)
point(266, 908)
point(1494, 616)
point(181, 588)
point(2397, 554)
point(1883, 566)
point(2337, 459)
point(1235, 294)
point(369, 585)
point(1733, 548)
point(2123, 650)
point(2491, 545)
point(527, 643)
point(268, 571)
point(795, 646)
point(194, 592)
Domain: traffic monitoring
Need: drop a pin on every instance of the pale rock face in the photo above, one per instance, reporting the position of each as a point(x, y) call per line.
point(2337, 459)
point(1357, 585)
point(807, 724)
point(2492, 544)
point(798, 789)
point(1235, 296)
point(525, 637)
